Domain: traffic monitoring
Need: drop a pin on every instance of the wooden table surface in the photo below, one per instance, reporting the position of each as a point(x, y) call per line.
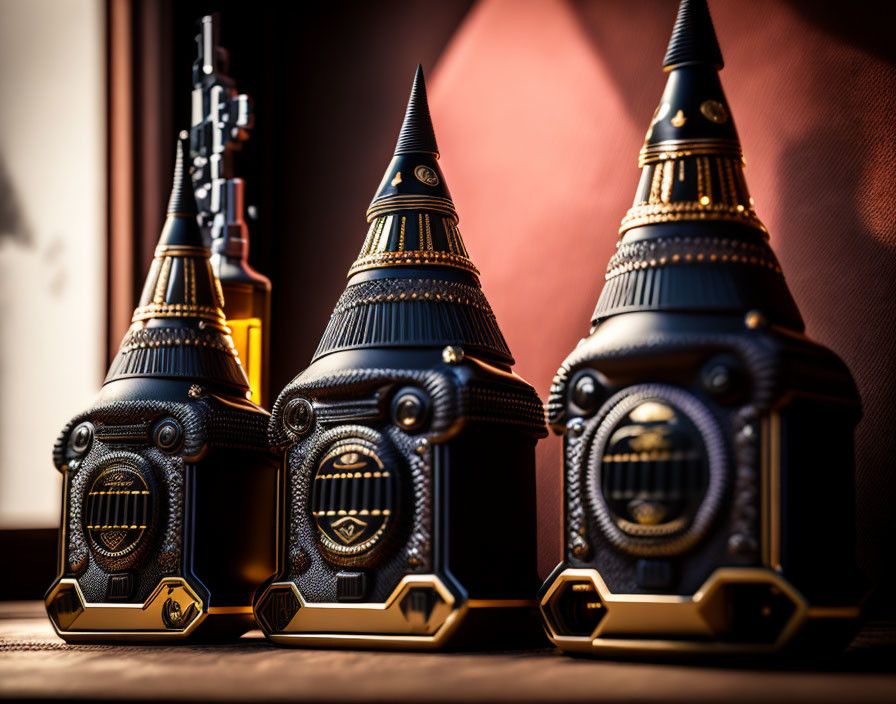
point(36, 665)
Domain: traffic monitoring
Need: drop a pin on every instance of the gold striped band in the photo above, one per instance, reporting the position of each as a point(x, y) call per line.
point(389, 204)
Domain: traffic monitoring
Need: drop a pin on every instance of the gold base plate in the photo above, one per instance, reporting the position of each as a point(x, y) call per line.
point(699, 623)
point(172, 612)
point(420, 614)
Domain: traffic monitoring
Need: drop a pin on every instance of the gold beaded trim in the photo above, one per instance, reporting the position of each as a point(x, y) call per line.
point(411, 258)
point(650, 214)
point(690, 258)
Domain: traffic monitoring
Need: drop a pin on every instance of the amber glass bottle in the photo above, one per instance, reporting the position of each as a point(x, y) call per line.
point(247, 293)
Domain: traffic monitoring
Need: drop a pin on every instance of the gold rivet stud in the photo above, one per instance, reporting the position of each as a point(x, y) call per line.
point(452, 354)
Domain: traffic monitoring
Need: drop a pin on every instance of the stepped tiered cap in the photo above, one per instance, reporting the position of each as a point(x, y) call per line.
point(178, 330)
point(413, 284)
point(412, 218)
point(692, 240)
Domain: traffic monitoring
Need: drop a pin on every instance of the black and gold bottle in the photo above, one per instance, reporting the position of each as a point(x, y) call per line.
point(409, 473)
point(708, 443)
point(168, 522)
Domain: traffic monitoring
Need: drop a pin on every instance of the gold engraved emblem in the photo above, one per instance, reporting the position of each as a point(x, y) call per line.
point(714, 111)
point(349, 529)
point(679, 119)
point(350, 460)
point(397, 179)
point(352, 499)
point(426, 175)
point(112, 538)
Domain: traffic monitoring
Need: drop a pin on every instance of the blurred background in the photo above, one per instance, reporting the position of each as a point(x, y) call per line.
point(540, 108)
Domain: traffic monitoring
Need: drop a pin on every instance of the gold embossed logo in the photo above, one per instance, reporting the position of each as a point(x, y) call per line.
point(714, 111)
point(678, 119)
point(352, 499)
point(426, 175)
point(350, 460)
point(112, 538)
point(349, 528)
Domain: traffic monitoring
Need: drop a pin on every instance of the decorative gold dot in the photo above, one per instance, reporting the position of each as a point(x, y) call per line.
point(704, 200)
point(754, 319)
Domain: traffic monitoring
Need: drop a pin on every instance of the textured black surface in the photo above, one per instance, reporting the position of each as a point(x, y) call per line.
point(693, 37)
point(181, 201)
point(417, 134)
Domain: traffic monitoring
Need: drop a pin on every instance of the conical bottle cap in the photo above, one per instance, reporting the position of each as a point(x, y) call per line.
point(412, 218)
point(413, 284)
point(692, 240)
point(178, 329)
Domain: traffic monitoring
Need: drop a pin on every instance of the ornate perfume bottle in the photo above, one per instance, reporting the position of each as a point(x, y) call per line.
point(408, 441)
point(708, 443)
point(169, 484)
point(221, 122)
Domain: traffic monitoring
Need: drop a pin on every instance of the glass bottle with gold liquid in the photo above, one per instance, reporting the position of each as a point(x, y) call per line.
point(221, 120)
point(247, 293)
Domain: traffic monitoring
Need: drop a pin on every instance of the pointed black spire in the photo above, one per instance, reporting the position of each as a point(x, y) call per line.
point(181, 226)
point(182, 200)
point(178, 330)
point(413, 283)
point(692, 240)
point(417, 134)
point(693, 38)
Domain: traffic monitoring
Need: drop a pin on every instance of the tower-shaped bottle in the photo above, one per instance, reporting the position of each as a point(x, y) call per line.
point(409, 443)
point(708, 443)
point(168, 480)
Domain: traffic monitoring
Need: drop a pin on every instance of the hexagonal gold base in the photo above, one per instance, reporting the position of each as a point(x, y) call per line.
point(421, 613)
point(172, 612)
point(700, 623)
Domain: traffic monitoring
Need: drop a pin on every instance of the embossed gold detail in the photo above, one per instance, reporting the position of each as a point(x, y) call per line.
point(652, 412)
point(656, 184)
point(412, 258)
point(650, 213)
point(395, 181)
point(679, 119)
point(714, 111)
point(147, 621)
point(428, 231)
point(426, 175)
point(668, 173)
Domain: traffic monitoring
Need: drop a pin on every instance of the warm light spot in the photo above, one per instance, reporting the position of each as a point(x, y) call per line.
point(704, 200)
